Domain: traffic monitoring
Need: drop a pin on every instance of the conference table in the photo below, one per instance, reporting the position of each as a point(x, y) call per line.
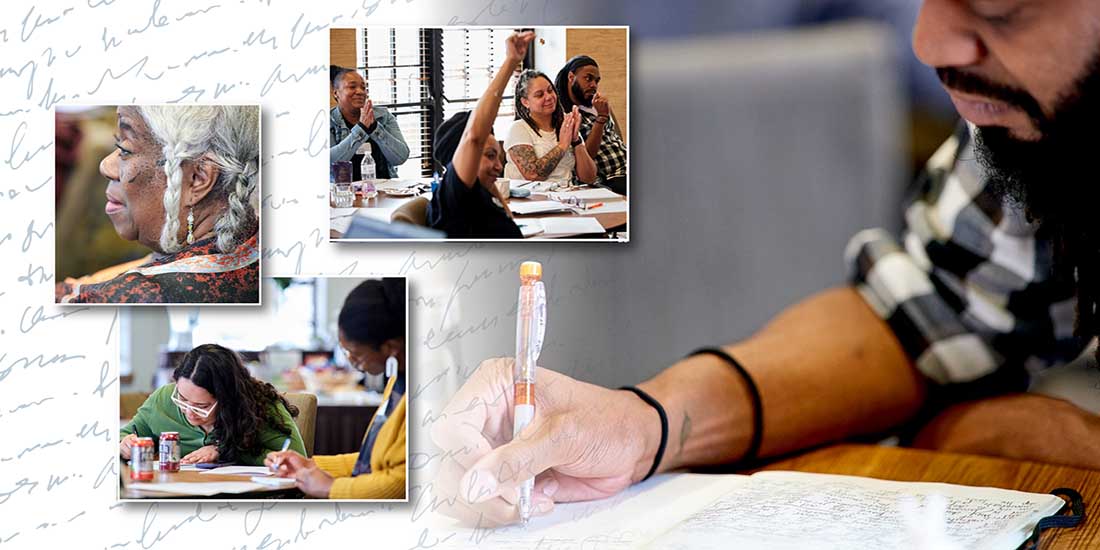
point(604, 206)
point(903, 464)
point(198, 476)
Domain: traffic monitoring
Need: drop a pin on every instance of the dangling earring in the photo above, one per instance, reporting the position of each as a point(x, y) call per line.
point(391, 366)
point(191, 224)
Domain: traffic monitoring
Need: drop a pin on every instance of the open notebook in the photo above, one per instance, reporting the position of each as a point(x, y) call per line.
point(778, 510)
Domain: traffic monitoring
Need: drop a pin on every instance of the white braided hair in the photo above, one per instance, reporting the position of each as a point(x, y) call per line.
point(229, 136)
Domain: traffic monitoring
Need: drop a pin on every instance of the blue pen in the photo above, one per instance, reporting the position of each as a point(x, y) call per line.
point(275, 464)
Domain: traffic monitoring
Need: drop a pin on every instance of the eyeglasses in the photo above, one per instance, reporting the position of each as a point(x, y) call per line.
point(188, 407)
point(353, 360)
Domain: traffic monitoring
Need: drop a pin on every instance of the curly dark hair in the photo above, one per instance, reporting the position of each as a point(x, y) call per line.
point(245, 404)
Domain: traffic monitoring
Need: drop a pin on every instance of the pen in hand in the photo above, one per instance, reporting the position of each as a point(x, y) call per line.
point(275, 463)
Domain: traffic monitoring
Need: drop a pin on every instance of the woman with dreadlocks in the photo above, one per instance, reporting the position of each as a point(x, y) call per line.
point(183, 181)
point(543, 143)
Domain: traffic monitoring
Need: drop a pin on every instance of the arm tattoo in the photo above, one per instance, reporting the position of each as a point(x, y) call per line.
point(685, 432)
point(525, 159)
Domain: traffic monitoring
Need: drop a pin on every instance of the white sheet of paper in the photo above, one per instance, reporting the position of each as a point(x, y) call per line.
point(529, 227)
point(189, 468)
point(340, 218)
point(239, 470)
point(586, 194)
point(799, 511)
point(399, 184)
point(536, 207)
point(571, 225)
point(626, 520)
point(607, 208)
point(780, 510)
point(204, 489)
point(274, 481)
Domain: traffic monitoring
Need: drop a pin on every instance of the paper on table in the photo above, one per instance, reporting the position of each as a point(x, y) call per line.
point(529, 227)
point(586, 194)
point(625, 520)
point(536, 207)
point(607, 208)
point(239, 470)
point(274, 481)
point(205, 488)
point(399, 184)
point(798, 510)
point(340, 218)
point(570, 225)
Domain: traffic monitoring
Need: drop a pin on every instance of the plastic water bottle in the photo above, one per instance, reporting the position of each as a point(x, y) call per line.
point(368, 173)
point(367, 166)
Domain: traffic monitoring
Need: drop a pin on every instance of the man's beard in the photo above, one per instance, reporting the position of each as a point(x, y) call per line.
point(1053, 179)
point(578, 93)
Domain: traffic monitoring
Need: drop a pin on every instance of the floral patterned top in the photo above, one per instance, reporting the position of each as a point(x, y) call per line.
point(197, 274)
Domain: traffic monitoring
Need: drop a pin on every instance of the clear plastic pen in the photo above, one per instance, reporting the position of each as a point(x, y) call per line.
point(530, 328)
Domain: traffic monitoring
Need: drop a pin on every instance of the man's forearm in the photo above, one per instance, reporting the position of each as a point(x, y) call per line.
point(827, 368)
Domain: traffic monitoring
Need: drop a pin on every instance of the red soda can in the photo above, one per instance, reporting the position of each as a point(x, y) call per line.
point(169, 452)
point(141, 459)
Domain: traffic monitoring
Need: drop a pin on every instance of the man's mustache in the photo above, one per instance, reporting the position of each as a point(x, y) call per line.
point(970, 83)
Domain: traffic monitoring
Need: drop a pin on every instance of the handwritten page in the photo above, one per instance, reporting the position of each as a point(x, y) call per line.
point(798, 511)
point(626, 520)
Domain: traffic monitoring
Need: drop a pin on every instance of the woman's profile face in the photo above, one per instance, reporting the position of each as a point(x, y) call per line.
point(362, 357)
point(136, 181)
point(491, 167)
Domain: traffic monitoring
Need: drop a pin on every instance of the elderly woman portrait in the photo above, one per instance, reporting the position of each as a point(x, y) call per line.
point(183, 183)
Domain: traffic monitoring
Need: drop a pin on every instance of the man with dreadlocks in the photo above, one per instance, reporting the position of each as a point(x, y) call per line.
point(579, 82)
point(939, 336)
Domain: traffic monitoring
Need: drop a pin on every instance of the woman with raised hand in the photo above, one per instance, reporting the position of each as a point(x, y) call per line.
point(372, 332)
point(468, 203)
point(221, 412)
point(183, 181)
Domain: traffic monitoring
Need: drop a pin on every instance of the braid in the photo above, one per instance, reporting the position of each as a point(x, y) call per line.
point(173, 173)
point(239, 220)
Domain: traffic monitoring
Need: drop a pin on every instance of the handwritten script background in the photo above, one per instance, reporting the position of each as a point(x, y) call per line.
point(59, 366)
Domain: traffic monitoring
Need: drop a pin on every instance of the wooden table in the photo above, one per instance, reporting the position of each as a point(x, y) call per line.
point(384, 205)
point(192, 476)
point(901, 464)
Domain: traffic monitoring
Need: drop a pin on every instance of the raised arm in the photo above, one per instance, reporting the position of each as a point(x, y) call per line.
point(479, 127)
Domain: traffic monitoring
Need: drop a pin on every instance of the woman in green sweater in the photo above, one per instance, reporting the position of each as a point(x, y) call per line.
point(221, 412)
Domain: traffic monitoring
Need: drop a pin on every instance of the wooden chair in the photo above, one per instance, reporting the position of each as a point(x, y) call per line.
point(307, 417)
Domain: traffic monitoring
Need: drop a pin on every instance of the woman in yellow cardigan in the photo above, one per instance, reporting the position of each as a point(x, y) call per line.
point(372, 332)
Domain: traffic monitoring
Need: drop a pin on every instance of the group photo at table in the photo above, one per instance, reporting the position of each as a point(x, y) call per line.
point(475, 133)
point(302, 398)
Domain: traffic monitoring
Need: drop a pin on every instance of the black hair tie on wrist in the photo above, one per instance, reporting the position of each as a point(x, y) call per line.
point(754, 393)
point(664, 427)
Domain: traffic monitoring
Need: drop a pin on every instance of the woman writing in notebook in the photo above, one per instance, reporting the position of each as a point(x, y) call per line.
point(221, 412)
point(372, 332)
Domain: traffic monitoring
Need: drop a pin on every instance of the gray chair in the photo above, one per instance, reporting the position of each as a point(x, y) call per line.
point(307, 417)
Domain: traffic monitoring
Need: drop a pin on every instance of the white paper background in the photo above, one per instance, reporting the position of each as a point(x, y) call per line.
point(59, 366)
point(616, 315)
